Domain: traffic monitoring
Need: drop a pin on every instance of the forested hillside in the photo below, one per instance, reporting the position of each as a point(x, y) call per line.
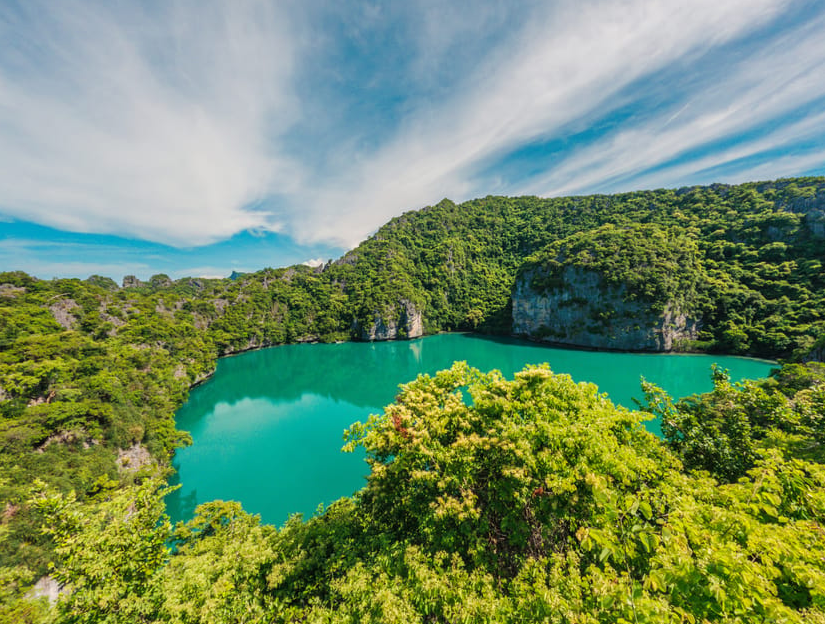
point(760, 263)
point(91, 375)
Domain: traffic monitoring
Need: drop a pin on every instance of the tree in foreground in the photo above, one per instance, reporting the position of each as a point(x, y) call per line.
point(489, 500)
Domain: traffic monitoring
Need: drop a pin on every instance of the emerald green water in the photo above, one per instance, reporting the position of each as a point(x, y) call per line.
point(267, 428)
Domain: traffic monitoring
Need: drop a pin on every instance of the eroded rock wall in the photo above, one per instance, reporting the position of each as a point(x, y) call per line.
point(585, 312)
point(401, 321)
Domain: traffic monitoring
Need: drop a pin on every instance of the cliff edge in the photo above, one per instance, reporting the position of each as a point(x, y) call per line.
point(632, 288)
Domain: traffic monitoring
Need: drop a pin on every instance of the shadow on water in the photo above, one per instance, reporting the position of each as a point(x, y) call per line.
point(267, 428)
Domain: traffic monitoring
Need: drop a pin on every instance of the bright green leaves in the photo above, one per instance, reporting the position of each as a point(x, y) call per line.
point(109, 554)
point(489, 500)
point(540, 471)
point(509, 476)
point(218, 573)
point(725, 431)
point(652, 263)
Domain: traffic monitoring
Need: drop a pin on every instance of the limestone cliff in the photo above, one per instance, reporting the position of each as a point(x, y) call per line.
point(398, 321)
point(812, 207)
point(586, 312)
point(628, 287)
point(817, 352)
point(130, 281)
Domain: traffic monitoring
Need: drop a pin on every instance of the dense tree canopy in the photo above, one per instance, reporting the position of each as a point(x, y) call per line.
point(534, 499)
point(646, 261)
point(537, 497)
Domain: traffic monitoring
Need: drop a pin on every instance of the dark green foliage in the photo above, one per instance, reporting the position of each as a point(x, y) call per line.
point(88, 370)
point(536, 500)
point(727, 430)
point(646, 261)
point(747, 258)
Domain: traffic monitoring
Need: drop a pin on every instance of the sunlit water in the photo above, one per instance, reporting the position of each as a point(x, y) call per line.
point(267, 428)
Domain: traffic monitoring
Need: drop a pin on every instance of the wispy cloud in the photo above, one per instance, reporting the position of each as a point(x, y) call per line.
point(570, 64)
point(192, 121)
point(155, 126)
point(750, 103)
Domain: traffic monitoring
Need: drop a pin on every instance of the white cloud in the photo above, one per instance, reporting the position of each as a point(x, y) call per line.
point(175, 127)
point(314, 262)
point(764, 88)
point(571, 62)
point(151, 127)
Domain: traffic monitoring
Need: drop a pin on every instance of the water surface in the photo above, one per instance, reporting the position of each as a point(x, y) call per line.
point(267, 428)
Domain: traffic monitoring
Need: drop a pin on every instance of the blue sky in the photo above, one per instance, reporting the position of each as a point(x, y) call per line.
point(198, 137)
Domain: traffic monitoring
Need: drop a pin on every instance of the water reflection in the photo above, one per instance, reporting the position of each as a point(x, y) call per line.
point(267, 429)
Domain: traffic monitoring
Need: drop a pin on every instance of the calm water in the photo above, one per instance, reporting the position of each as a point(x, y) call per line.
point(267, 428)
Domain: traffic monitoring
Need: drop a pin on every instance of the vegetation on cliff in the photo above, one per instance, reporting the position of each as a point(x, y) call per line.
point(89, 371)
point(645, 261)
point(534, 499)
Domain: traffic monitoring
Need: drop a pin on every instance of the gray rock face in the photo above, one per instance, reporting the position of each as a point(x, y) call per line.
point(130, 281)
point(161, 280)
point(817, 354)
point(402, 321)
point(62, 311)
point(815, 221)
point(46, 587)
point(814, 210)
point(587, 313)
point(133, 458)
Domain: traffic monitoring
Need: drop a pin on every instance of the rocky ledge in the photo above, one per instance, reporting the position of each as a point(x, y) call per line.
point(585, 311)
point(396, 322)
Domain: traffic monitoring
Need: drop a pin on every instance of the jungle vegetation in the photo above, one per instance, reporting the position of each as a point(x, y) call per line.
point(538, 501)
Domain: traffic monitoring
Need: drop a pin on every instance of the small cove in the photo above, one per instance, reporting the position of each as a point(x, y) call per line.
point(267, 427)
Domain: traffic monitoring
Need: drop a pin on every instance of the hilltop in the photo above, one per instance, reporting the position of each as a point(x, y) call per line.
point(91, 374)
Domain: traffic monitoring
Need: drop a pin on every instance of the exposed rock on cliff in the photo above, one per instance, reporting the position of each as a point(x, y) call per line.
point(133, 458)
point(401, 321)
point(63, 312)
point(809, 202)
point(628, 288)
point(10, 291)
point(106, 283)
point(161, 280)
point(815, 220)
point(817, 352)
point(47, 587)
point(584, 312)
point(130, 281)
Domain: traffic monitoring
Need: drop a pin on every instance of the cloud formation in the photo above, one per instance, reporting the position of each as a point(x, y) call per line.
point(186, 122)
point(159, 125)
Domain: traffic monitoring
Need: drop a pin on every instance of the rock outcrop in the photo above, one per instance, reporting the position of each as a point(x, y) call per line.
point(133, 458)
point(11, 291)
point(811, 206)
point(106, 283)
point(63, 312)
point(47, 587)
point(584, 311)
point(161, 280)
point(401, 321)
point(815, 221)
point(130, 281)
point(817, 352)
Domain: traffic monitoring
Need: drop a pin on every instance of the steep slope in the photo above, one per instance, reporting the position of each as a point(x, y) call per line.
point(89, 370)
point(617, 287)
point(761, 247)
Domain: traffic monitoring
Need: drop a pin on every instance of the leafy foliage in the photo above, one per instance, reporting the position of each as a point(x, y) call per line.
point(727, 430)
point(511, 505)
point(489, 500)
point(648, 262)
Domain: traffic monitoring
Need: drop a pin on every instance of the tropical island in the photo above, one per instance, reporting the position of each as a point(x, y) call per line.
point(536, 500)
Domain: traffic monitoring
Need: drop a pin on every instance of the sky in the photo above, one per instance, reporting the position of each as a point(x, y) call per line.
point(198, 137)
